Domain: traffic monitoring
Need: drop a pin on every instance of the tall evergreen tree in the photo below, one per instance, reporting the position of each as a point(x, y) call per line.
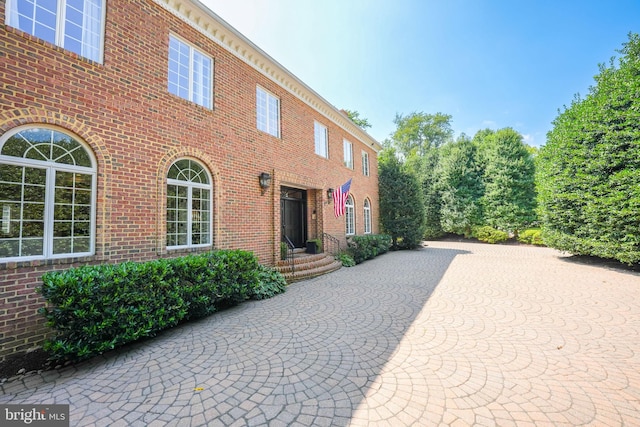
point(509, 199)
point(589, 171)
point(401, 202)
point(461, 187)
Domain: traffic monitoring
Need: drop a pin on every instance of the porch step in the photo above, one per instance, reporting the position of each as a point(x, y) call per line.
point(307, 266)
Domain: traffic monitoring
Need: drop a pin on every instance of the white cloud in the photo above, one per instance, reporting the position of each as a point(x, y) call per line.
point(529, 139)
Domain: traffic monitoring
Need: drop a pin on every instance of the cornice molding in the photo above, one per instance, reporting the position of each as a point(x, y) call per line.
point(197, 15)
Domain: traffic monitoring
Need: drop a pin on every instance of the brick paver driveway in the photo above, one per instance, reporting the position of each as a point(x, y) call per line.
point(452, 334)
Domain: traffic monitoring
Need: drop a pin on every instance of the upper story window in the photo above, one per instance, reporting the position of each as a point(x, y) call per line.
point(321, 140)
point(188, 205)
point(268, 112)
point(365, 163)
point(367, 216)
point(75, 25)
point(350, 217)
point(348, 154)
point(190, 73)
point(47, 195)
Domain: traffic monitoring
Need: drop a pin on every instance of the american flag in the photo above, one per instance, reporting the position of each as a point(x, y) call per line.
point(340, 198)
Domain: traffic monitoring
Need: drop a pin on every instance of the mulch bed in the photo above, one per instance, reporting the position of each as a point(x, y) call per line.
point(37, 360)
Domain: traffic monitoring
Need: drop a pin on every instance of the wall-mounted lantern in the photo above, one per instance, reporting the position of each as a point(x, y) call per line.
point(265, 181)
point(329, 195)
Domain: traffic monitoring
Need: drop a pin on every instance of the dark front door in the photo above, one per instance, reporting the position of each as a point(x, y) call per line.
point(293, 212)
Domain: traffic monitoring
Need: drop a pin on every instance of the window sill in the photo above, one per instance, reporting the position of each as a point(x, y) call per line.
point(17, 264)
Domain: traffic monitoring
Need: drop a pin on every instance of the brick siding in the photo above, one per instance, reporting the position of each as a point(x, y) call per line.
point(136, 129)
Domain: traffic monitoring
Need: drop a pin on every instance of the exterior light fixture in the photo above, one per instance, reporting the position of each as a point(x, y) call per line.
point(265, 181)
point(329, 194)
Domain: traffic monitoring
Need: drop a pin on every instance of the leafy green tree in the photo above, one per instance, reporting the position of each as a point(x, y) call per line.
point(461, 187)
point(354, 116)
point(588, 173)
point(509, 199)
point(417, 138)
point(429, 182)
point(416, 133)
point(401, 202)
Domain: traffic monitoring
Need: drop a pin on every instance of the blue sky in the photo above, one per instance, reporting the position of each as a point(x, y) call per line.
point(487, 63)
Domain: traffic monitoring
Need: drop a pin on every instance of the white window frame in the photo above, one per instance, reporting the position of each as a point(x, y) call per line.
point(92, 25)
point(365, 163)
point(349, 216)
point(267, 112)
point(321, 138)
point(51, 168)
point(367, 216)
point(348, 153)
point(190, 183)
point(199, 84)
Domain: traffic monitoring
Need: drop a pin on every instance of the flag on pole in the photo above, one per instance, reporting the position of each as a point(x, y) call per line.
point(340, 198)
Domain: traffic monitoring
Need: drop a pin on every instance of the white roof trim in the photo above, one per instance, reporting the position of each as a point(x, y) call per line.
point(215, 28)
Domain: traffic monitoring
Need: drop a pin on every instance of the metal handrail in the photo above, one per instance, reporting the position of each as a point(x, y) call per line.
point(330, 244)
point(290, 248)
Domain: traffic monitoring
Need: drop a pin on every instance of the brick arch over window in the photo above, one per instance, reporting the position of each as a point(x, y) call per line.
point(162, 173)
point(11, 119)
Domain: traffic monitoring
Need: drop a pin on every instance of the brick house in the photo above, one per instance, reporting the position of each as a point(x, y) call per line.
point(138, 129)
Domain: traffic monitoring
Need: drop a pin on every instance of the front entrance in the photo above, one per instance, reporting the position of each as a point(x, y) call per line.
point(293, 214)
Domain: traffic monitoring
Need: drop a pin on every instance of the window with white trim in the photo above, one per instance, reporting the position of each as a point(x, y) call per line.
point(365, 163)
point(189, 205)
point(190, 73)
point(367, 216)
point(267, 112)
point(349, 216)
point(47, 195)
point(321, 140)
point(75, 25)
point(348, 154)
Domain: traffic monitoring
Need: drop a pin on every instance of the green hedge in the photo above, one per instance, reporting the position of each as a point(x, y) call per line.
point(368, 246)
point(94, 309)
point(490, 234)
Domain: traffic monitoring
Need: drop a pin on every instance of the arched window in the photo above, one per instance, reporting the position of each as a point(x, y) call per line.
point(47, 195)
point(188, 205)
point(349, 214)
point(367, 216)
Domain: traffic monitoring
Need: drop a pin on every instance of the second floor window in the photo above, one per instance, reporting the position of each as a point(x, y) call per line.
point(348, 154)
point(75, 25)
point(365, 163)
point(268, 112)
point(190, 73)
point(321, 144)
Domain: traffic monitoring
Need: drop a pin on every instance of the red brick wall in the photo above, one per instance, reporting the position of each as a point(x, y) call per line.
point(136, 129)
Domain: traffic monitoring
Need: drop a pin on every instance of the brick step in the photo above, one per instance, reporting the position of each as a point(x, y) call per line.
point(307, 266)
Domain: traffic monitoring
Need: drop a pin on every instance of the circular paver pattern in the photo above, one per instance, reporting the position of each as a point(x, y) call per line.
point(454, 334)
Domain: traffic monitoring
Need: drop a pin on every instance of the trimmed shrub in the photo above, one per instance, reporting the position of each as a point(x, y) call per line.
point(270, 283)
point(368, 246)
point(490, 234)
point(216, 279)
point(532, 236)
point(98, 308)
